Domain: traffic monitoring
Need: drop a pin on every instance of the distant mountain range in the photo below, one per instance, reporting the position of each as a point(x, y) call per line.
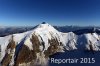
point(33, 47)
point(4, 31)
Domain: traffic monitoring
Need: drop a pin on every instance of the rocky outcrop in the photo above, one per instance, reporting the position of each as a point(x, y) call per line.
point(9, 53)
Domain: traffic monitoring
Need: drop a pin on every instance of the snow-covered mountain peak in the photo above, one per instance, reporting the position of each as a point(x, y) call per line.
point(45, 26)
point(38, 44)
point(46, 30)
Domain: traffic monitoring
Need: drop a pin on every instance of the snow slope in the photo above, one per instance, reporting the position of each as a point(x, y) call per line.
point(94, 40)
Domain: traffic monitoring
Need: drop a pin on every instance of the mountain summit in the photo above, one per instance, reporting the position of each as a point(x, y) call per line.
point(43, 22)
point(34, 47)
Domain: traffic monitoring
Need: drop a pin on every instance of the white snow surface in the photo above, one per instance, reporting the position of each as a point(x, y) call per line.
point(94, 39)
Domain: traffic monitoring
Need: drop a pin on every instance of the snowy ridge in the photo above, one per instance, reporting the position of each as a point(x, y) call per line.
point(48, 38)
point(94, 40)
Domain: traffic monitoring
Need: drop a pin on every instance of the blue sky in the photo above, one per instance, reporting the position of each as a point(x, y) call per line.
point(55, 12)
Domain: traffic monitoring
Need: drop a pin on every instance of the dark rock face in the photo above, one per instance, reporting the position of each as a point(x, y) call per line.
point(30, 57)
point(9, 51)
point(25, 55)
point(53, 48)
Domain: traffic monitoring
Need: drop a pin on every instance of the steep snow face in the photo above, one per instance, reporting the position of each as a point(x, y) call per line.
point(4, 42)
point(89, 41)
point(69, 40)
point(48, 31)
point(93, 41)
